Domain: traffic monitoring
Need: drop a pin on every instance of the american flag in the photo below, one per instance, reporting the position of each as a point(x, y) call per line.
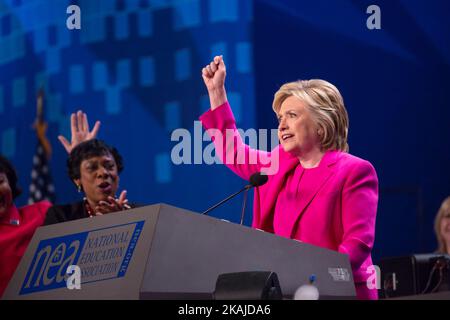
point(41, 187)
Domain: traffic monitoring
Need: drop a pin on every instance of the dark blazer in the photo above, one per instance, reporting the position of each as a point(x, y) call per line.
point(68, 212)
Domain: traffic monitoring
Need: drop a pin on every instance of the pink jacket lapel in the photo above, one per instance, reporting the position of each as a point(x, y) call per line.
point(268, 194)
point(315, 185)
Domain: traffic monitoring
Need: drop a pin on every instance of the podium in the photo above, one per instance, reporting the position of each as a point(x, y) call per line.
point(163, 252)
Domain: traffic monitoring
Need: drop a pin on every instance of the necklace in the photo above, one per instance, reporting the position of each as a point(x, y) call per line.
point(88, 208)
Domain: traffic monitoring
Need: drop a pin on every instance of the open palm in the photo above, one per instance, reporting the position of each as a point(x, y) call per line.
point(79, 126)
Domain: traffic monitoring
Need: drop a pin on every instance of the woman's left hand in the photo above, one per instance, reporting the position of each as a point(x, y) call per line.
point(79, 126)
point(112, 204)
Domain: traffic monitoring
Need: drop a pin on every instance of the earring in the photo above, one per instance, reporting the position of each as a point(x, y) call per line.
point(79, 188)
point(320, 133)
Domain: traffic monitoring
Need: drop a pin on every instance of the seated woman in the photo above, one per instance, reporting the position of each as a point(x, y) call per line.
point(94, 168)
point(318, 193)
point(17, 225)
point(442, 227)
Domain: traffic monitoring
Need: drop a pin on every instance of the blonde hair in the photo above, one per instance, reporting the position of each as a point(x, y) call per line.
point(443, 211)
point(326, 104)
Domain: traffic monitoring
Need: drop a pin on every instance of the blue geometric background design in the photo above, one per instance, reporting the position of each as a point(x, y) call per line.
point(134, 65)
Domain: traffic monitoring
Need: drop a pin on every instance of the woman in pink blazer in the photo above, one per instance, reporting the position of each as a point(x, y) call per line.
point(316, 192)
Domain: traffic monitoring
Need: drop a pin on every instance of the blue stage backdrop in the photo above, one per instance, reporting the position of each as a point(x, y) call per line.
point(395, 84)
point(136, 66)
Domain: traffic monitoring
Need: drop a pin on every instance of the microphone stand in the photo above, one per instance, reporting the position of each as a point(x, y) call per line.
point(246, 188)
point(244, 203)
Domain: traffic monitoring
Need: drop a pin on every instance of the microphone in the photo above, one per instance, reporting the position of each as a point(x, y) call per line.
point(257, 179)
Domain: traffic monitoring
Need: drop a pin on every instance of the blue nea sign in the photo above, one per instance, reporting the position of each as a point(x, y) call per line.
point(101, 254)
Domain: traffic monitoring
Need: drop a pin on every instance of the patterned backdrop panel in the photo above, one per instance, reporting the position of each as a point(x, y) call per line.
point(136, 67)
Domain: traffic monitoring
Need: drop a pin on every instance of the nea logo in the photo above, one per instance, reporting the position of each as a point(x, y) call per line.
point(51, 261)
point(96, 255)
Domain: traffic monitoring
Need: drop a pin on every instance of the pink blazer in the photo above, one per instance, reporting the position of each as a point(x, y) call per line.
point(339, 211)
point(17, 227)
